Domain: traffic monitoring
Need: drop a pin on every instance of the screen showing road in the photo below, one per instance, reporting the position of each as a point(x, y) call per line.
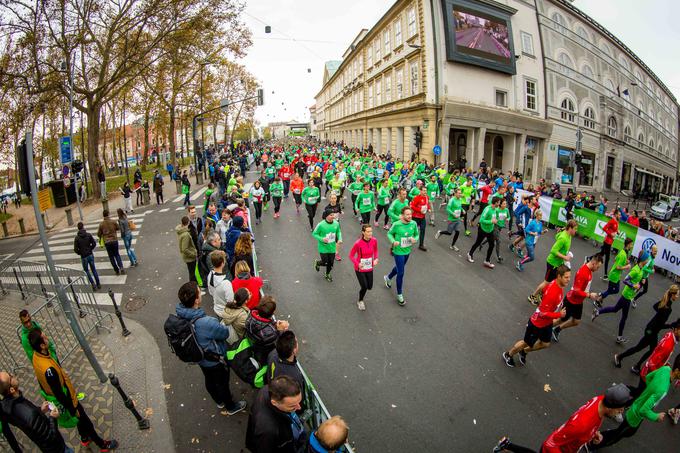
point(480, 36)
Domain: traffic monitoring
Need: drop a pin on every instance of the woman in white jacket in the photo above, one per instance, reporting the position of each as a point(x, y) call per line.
point(257, 194)
point(219, 287)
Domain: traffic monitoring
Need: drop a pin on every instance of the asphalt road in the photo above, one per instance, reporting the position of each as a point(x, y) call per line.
point(427, 376)
point(476, 38)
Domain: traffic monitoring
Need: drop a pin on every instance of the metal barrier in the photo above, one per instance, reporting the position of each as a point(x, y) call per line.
point(313, 401)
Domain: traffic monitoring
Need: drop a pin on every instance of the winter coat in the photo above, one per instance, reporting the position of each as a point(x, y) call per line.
point(28, 417)
point(186, 245)
point(231, 237)
point(263, 333)
point(84, 244)
point(107, 230)
point(211, 335)
point(236, 318)
point(252, 284)
point(269, 430)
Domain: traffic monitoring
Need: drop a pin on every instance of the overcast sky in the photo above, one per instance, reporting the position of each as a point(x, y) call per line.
point(306, 33)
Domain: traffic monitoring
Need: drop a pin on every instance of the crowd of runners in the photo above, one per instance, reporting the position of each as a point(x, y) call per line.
point(333, 184)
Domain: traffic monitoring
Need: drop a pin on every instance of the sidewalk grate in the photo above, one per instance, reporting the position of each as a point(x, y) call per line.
point(134, 303)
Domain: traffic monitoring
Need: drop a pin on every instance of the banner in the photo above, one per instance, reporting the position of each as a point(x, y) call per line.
point(668, 252)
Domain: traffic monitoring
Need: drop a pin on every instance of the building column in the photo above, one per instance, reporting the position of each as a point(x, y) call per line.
point(478, 151)
point(399, 151)
point(388, 141)
point(520, 152)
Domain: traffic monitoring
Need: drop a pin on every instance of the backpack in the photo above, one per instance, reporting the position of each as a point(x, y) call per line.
point(241, 359)
point(181, 335)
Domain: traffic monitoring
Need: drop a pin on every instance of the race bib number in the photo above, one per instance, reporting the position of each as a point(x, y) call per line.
point(366, 264)
point(502, 216)
point(386, 200)
point(312, 200)
point(467, 200)
point(405, 242)
point(297, 191)
point(286, 175)
point(456, 212)
point(423, 209)
point(366, 201)
point(330, 238)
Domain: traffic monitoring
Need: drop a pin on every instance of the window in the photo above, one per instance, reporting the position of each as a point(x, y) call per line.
point(611, 126)
point(376, 47)
point(660, 149)
point(587, 167)
point(501, 98)
point(386, 40)
point(583, 33)
point(627, 134)
point(623, 62)
point(388, 89)
point(609, 85)
point(370, 96)
point(589, 118)
point(651, 144)
point(527, 43)
point(361, 100)
point(625, 176)
point(568, 110)
point(361, 64)
point(530, 95)
point(400, 83)
point(641, 140)
point(641, 108)
point(397, 32)
point(564, 160)
point(356, 102)
point(565, 60)
point(557, 17)
point(378, 92)
point(369, 56)
point(588, 72)
point(415, 88)
point(411, 17)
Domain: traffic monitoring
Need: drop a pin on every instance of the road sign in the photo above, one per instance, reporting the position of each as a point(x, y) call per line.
point(65, 150)
point(65, 171)
point(437, 150)
point(224, 103)
point(44, 200)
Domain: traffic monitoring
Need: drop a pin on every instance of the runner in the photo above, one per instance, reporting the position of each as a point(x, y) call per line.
point(420, 205)
point(355, 190)
point(310, 196)
point(383, 203)
point(559, 254)
point(297, 186)
point(573, 303)
point(662, 354)
point(621, 263)
point(257, 194)
point(647, 272)
point(433, 190)
point(631, 285)
point(522, 218)
point(365, 203)
point(394, 212)
point(364, 256)
point(402, 236)
point(650, 338)
point(486, 192)
point(468, 201)
point(336, 209)
point(610, 230)
point(531, 234)
point(487, 224)
point(582, 428)
point(327, 233)
point(277, 189)
point(539, 327)
point(454, 209)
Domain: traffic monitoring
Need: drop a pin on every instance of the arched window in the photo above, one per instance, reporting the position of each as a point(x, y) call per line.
point(651, 144)
point(583, 33)
point(568, 110)
point(609, 85)
point(559, 19)
point(589, 118)
point(641, 140)
point(588, 72)
point(611, 126)
point(623, 62)
point(660, 149)
point(627, 134)
point(565, 60)
point(605, 48)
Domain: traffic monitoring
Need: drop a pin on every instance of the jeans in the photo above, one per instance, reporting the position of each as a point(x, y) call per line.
point(88, 265)
point(398, 270)
point(127, 241)
point(623, 305)
point(187, 200)
point(114, 255)
point(102, 189)
point(217, 384)
point(530, 254)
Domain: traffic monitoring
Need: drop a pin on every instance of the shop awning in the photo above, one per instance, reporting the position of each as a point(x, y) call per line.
point(642, 170)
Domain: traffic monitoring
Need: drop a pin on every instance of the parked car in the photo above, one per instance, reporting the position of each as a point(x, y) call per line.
point(661, 210)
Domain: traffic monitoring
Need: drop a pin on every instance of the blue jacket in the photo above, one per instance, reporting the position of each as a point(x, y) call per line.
point(523, 214)
point(210, 333)
point(230, 241)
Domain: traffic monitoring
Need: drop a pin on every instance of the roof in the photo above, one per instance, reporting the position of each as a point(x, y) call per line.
point(332, 66)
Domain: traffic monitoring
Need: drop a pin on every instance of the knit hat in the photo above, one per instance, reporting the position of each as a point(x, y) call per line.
point(644, 256)
point(617, 396)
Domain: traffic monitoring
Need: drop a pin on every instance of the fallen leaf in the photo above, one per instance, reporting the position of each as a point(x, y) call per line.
point(394, 405)
point(546, 388)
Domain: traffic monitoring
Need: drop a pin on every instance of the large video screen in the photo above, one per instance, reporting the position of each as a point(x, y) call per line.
point(480, 34)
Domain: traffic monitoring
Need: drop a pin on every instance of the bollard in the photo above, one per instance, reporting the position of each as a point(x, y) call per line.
point(75, 298)
point(146, 199)
point(142, 423)
point(22, 228)
point(69, 217)
point(42, 286)
point(178, 184)
point(105, 204)
point(4, 229)
point(126, 332)
point(21, 288)
point(3, 291)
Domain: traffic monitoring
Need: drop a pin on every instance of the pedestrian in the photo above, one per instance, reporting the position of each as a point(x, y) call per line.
point(58, 389)
point(263, 329)
point(187, 249)
point(394, 211)
point(383, 203)
point(650, 338)
point(420, 206)
point(647, 272)
point(28, 325)
point(331, 436)
point(39, 424)
point(211, 336)
point(126, 226)
point(661, 355)
point(257, 195)
point(83, 246)
point(365, 203)
point(486, 192)
point(282, 361)
point(468, 192)
point(573, 302)
point(364, 256)
point(107, 234)
point(236, 313)
point(244, 278)
point(327, 234)
point(219, 286)
point(402, 236)
point(276, 189)
point(334, 207)
point(487, 223)
point(127, 196)
point(621, 263)
point(531, 233)
point(101, 178)
point(631, 285)
point(582, 428)
point(433, 189)
point(158, 187)
point(186, 189)
point(223, 225)
point(137, 184)
point(236, 229)
point(559, 254)
point(243, 251)
point(273, 425)
point(539, 327)
point(310, 197)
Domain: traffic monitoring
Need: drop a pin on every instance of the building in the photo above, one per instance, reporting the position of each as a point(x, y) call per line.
point(282, 129)
point(507, 82)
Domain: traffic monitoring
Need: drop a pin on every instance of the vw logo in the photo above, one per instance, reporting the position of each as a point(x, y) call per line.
point(647, 244)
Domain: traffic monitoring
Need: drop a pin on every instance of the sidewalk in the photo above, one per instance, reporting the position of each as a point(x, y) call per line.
point(135, 360)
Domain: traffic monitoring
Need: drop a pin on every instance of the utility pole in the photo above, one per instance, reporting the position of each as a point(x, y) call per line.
point(61, 294)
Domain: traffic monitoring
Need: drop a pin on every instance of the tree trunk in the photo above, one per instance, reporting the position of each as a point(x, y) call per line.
point(226, 128)
point(186, 135)
point(106, 133)
point(145, 157)
point(236, 118)
point(214, 128)
point(93, 112)
point(171, 133)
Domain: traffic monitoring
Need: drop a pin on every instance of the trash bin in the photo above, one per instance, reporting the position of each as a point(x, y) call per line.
point(178, 183)
point(146, 199)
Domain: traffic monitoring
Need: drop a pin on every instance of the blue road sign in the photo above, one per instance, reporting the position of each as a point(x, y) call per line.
point(437, 150)
point(65, 150)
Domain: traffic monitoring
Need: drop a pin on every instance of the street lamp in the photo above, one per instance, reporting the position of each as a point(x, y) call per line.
point(68, 69)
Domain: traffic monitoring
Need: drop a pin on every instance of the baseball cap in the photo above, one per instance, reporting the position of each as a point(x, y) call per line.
point(617, 396)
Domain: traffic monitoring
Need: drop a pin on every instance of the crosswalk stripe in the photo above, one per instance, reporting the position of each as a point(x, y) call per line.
point(179, 208)
point(73, 256)
point(198, 193)
point(71, 236)
point(58, 248)
point(99, 265)
point(164, 210)
point(8, 278)
point(90, 226)
point(179, 198)
point(101, 298)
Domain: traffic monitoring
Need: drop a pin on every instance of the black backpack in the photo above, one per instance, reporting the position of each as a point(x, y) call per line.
point(182, 340)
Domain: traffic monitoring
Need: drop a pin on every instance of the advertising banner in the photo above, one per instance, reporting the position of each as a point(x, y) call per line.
point(668, 253)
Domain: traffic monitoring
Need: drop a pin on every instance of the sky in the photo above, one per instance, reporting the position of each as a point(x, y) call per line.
point(306, 33)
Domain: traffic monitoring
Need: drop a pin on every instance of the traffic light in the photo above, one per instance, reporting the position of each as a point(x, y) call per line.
point(260, 96)
point(418, 139)
point(76, 166)
point(24, 180)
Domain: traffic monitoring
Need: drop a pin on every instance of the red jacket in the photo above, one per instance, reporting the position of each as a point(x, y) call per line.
point(577, 431)
point(662, 352)
point(364, 250)
point(610, 229)
point(252, 284)
point(417, 204)
point(285, 173)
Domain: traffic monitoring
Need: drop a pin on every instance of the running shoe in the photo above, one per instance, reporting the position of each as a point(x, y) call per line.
point(500, 259)
point(520, 253)
point(388, 282)
point(423, 248)
point(531, 298)
point(522, 357)
point(635, 370)
point(469, 258)
point(376, 224)
point(489, 265)
point(596, 303)
point(633, 303)
point(400, 299)
point(328, 277)
point(596, 313)
point(338, 257)
point(317, 265)
point(556, 334)
point(617, 361)
point(621, 340)
point(454, 248)
point(674, 415)
point(501, 445)
point(509, 361)
point(467, 233)
point(386, 227)
point(85, 442)
point(604, 278)
point(361, 306)
point(109, 445)
point(437, 234)
point(511, 247)
point(238, 407)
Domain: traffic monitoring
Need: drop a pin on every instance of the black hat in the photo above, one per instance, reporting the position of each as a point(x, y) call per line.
point(617, 396)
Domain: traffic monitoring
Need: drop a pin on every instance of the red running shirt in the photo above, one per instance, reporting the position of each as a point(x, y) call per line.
point(486, 191)
point(581, 286)
point(545, 313)
point(610, 229)
point(577, 431)
point(662, 352)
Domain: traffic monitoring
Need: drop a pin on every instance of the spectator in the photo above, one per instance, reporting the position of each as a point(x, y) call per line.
point(158, 186)
point(223, 225)
point(186, 247)
point(282, 361)
point(237, 227)
point(195, 225)
point(219, 287)
point(57, 386)
point(331, 435)
point(83, 246)
point(634, 219)
point(243, 278)
point(657, 227)
point(101, 177)
point(263, 329)
point(126, 236)
point(211, 337)
point(107, 234)
point(236, 312)
point(273, 425)
point(644, 223)
point(243, 251)
point(602, 207)
point(28, 325)
point(127, 196)
point(38, 423)
point(211, 243)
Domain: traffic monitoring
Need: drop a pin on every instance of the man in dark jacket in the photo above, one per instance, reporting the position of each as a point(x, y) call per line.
point(282, 361)
point(211, 336)
point(195, 225)
point(83, 245)
point(273, 425)
point(38, 423)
